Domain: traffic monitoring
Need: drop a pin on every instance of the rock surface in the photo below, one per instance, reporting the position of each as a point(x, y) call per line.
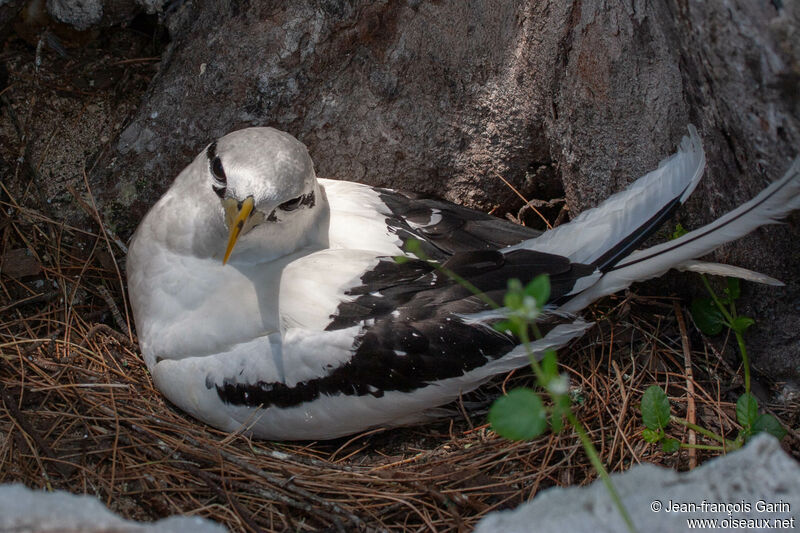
point(23, 510)
point(446, 97)
point(759, 474)
point(84, 14)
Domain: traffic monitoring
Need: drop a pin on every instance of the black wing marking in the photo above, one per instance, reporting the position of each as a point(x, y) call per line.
point(390, 286)
point(445, 228)
point(415, 336)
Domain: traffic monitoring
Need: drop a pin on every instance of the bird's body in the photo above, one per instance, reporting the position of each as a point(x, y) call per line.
point(268, 301)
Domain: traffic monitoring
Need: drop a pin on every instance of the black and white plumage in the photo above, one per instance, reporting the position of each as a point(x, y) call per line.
point(267, 300)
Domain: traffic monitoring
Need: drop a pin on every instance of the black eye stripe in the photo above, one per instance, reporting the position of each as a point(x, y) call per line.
point(303, 200)
point(215, 167)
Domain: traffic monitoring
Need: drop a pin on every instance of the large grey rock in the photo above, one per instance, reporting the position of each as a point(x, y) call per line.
point(23, 510)
point(431, 97)
point(81, 14)
point(739, 484)
point(442, 97)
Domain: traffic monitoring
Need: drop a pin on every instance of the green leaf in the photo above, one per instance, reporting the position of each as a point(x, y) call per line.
point(513, 300)
point(670, 445)
point(769, 424)
point(747, 409)
point(651, 436)
point(515, 285)
point(707, 316)
point(733, 290)
point(520, 415)
point(556, 423)
point(680, 231)
point(400, 259)
point(539, 289)
point(503, 326)
point(741, 323)
point(655, 408)
point(550, 364)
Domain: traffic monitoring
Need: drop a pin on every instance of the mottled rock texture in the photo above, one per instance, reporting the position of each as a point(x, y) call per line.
point(23, 510)
point(741, 485)
point(84, 14)
point(445, 97)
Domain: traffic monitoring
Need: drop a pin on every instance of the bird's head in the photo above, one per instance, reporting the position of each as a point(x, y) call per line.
point(262, 176)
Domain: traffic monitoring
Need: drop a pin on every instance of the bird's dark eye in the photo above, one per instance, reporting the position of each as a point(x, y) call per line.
point(215, 166)
point(303, 200)
point(218, 171)
point(291, 205)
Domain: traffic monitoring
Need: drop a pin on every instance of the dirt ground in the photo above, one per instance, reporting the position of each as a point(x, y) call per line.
point(79, 411)
point(59, 112)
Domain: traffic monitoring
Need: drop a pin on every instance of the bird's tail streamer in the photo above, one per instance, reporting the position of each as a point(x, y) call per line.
point(772, 204)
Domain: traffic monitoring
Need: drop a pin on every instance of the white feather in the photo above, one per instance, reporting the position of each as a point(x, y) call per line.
point(718, 269)
point(308, 300)
point(359, 218)
point(772, 204)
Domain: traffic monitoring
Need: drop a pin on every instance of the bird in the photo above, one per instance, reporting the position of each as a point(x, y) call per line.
point(268, 301)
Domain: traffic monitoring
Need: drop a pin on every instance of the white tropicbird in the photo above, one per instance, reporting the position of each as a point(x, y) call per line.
point(267, 300)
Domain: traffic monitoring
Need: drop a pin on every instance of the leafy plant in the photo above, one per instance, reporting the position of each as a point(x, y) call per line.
point(522, 414)
point(711, 315)
point(656, 414)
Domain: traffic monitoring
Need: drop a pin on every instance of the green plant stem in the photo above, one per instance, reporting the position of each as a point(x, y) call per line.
point(701, 430)
point(743, 352)
point(745, 360)
point(739, 337)
point(594, 458)
point(714, 297)
point(526, 342)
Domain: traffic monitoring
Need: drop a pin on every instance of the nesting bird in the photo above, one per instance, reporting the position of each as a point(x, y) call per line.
point(269, 301)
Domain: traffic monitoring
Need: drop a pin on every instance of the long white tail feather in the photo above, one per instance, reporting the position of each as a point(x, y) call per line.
point(596, 231)
point(718, 269)
point(772, 204)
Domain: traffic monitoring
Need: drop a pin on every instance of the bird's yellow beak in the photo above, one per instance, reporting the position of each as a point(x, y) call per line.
point(236, 215)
